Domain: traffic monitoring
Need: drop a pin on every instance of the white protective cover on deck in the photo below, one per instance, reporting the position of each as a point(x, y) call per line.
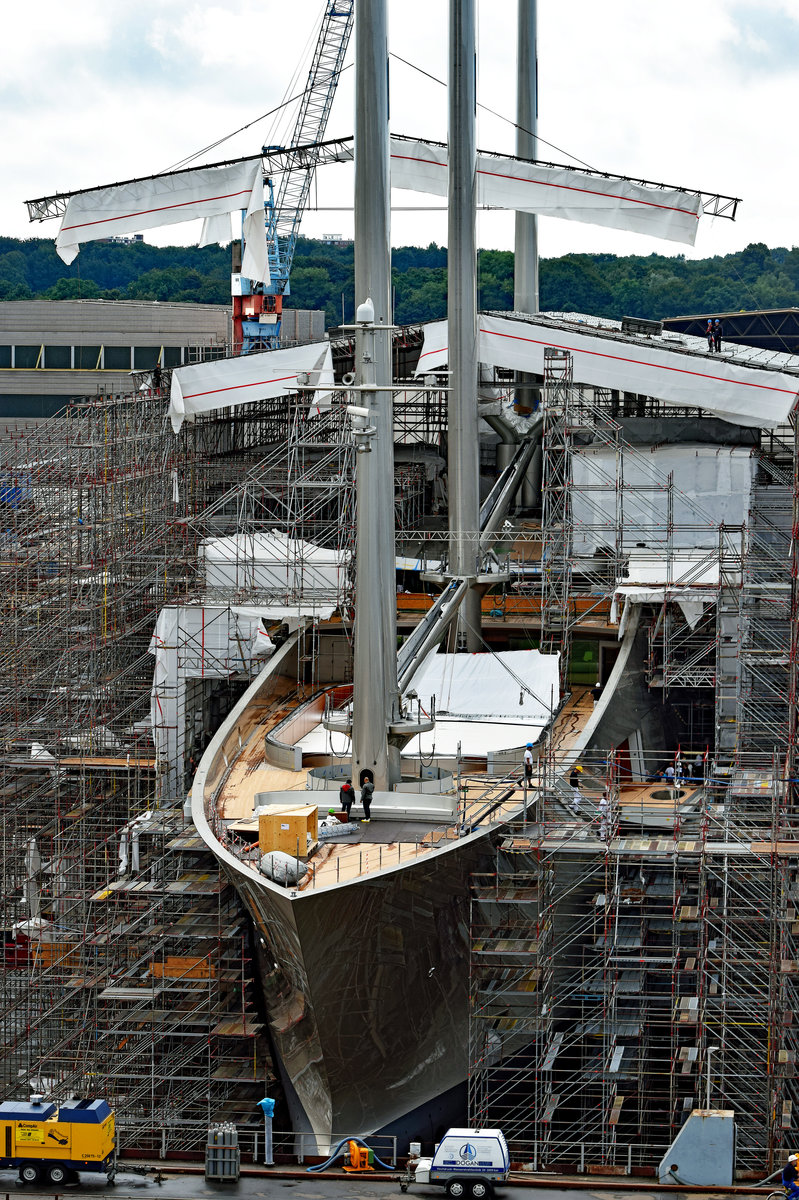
point(735, 391)
point(229, 382)
point(272, 562)
point(487, 702)
point(209, 192)
point(712, 486)
point(572, 195)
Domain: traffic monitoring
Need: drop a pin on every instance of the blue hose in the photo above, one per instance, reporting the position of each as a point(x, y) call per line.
point(337, 1151)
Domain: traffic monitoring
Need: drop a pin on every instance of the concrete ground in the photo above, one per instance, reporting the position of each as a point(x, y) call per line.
point(298, 1185)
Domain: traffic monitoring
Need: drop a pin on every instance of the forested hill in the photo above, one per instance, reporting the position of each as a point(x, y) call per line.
point(654, 286)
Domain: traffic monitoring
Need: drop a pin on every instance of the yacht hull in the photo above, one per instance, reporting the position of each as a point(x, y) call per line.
point(366, 989)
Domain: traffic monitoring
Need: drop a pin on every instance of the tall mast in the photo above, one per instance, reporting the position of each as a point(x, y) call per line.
point(525, 271)
point(463, 483)
point(375, 697)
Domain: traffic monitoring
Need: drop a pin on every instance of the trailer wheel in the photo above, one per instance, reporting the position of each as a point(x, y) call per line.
point(481, 1190)
point(456, 1188)
point(57, 1174)
point(30, 1172)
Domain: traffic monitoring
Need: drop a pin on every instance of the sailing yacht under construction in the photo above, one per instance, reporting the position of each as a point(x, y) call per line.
point(580, 952)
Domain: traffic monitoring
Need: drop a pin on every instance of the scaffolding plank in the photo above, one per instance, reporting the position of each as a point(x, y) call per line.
point(552, 1051)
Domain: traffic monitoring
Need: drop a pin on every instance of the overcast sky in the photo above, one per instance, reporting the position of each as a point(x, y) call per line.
point(698, 93)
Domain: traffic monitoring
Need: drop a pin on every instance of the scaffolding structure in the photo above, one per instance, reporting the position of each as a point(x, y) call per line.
point(616, 985)
point(626, 969)
point(125, 955)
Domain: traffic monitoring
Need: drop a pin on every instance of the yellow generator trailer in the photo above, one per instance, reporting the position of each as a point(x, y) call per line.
point(52, 1142)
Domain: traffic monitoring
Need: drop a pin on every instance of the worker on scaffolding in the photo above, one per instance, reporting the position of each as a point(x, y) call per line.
point(577, 796)
point(604, 809)
point(789, 1177)
point(527, 759)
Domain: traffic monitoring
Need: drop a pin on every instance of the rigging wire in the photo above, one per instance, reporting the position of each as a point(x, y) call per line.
point(183, 162)
point(494, 113)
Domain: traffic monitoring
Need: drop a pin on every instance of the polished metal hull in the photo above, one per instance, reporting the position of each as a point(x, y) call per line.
point(366, 989)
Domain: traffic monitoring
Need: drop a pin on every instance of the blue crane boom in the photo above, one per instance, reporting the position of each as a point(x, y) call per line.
point(257, 308)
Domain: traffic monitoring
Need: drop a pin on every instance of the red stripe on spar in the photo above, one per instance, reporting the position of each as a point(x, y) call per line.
point(589, 192)
point(636, 362)
point(235, 387)
point(430, 162)
point(164, 208)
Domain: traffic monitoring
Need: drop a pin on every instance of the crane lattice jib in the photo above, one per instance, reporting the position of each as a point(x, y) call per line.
point(283, 221)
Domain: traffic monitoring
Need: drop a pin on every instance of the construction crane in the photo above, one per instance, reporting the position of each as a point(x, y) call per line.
point(257, 307)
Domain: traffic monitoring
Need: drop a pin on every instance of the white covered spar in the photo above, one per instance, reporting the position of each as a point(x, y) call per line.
point(736, 391)
point(208, 192)
point(572, 195)
point(229, 382)
point(553, 191)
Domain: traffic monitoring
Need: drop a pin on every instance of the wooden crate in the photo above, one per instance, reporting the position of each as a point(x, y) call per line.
point(283, 828)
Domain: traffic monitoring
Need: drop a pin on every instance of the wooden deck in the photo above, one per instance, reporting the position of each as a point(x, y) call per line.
point(346, 861)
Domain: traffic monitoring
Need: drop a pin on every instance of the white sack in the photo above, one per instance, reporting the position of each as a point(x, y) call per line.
point(553, 191)
point(161, 200)
point(735, 391)
point(229, 382)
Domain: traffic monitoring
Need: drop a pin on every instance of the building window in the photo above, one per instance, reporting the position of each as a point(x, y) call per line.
point(5, 356)
point(173, 356)
point(57, 358)
point(87, 358)
point(116, 358)
point(145, 357)
point(26, 358)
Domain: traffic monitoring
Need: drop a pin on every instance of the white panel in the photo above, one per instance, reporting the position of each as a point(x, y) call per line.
point(711, 486)
point(514, 686)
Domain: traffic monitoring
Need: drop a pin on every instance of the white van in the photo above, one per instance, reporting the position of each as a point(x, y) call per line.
point(467, 1162)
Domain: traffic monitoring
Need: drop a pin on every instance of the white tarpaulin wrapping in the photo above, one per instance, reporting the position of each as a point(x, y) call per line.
point(229, 382)
point(692, 601)
point(487, 702)
point(209, 192)
point(272, 562)
point(673, 215)
point(711, 486)
point(511, 686)
point(735, 391)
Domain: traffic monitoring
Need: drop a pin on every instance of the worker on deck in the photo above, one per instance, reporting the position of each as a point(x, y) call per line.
point(596, 692)
point(718, 330)
point(346, 795)
point(367, 791)
point(789, 1177)
point(528, 764)
point(709, 334)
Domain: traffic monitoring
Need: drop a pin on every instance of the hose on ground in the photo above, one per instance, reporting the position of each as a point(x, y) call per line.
point(337, 1151)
